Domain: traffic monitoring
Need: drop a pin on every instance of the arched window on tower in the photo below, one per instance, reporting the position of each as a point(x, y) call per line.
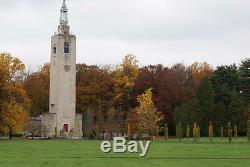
point(66, 47)
point(54, 50)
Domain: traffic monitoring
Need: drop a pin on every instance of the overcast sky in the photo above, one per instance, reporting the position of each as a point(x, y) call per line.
point(156, 31)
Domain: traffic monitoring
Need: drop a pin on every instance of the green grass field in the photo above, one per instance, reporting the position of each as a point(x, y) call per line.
point(67, 153)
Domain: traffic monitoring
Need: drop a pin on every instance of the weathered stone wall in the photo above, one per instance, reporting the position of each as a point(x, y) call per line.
point(79, 124)
point(48, 124)
point(34, 126)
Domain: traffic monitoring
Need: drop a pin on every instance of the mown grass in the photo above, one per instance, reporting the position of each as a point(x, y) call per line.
point(68, 153)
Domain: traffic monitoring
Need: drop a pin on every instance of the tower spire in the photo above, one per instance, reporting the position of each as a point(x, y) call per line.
point(64, 14)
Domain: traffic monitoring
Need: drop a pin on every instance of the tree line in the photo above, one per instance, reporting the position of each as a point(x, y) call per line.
point(130, 99)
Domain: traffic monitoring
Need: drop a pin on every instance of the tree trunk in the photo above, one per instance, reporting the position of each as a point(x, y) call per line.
point(10, 133)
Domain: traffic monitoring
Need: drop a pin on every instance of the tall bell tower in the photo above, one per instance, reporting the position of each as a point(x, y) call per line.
point(62, 117)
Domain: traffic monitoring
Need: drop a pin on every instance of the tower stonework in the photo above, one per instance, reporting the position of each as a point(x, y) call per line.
point(62, 119)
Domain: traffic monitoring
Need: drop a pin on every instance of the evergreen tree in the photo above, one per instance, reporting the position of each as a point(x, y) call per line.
point(235, 132)
point(201, 108)
point(179, 131)
point(199, 132)
point(248, 130)
point(237, 111)
point(222, 132)
point(225, 83)
point(245, 78)
point(224, 80)
point(188, 132)
point(245, 82)
point(205, 96)
point(188, 113)
point(229, 132)
point(166, 132)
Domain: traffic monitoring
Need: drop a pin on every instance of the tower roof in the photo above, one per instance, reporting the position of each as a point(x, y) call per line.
point(64, 14)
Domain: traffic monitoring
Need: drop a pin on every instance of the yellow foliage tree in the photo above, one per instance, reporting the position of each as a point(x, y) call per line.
point(195, 132)
point(124, 78)
point(146, 115)
point(210, 131)
point(14, 101)
point(14, 118)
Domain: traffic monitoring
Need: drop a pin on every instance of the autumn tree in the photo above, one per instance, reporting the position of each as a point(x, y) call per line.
point(94, 88)
point(111, 125)
point(37, 87)
point(124, 78)
point(94, 96)
point(14, 102)
point(169, 86)
point(14, 117)
point(146, 115)
point(198, 71)
point(218, 98)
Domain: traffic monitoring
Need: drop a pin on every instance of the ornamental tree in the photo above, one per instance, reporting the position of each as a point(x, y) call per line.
point(229, 132)
point(145, 116)
point(210, 131)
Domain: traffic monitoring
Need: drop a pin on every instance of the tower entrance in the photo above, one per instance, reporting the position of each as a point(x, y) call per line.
point(66, 128)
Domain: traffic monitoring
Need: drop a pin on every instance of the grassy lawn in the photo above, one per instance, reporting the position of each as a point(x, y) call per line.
point(67, 153)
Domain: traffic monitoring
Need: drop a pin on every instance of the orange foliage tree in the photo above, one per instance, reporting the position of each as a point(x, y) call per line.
point(124, 78)
point(14, 102)
point(37, 87)
point(94, 97)
point(198, 71)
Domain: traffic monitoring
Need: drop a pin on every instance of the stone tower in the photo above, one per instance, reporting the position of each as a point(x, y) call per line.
point(62, 118)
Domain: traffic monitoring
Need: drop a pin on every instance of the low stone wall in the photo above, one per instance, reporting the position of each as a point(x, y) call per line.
point(48, 124)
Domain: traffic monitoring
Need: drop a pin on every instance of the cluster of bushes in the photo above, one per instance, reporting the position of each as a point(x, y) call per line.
point(231, 132)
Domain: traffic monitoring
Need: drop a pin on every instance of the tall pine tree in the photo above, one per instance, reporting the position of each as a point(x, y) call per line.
point(245, 81)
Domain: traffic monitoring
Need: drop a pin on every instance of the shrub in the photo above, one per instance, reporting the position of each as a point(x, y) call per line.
point(229, 132)
point(179, 131)
point(210, 131)
point(195, 132)
point(248, 130)
point(221, 132)
point(199, 132)
point(235, 133)
point(166, 132)
point(188, 132)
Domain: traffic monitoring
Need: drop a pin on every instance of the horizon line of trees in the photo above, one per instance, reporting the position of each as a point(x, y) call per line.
point(108, 97)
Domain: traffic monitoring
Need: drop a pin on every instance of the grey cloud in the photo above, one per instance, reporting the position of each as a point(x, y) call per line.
point(157, 31)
